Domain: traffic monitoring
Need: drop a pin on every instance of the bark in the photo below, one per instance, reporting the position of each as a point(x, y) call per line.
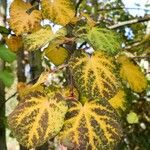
point(2, 118)
point(21, 75)
point(129, 22)
point(2, 87)
point(35, 64)
point(20, 67)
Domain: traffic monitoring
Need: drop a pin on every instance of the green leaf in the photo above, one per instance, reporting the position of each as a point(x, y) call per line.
point(104, 40)
point(4, 30)
point(6, 77)
point(6, 54)
point(132, 118)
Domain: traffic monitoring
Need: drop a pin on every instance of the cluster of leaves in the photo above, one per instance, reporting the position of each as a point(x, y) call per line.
point(90, 117)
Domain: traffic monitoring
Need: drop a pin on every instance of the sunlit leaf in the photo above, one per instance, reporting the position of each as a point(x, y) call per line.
point(38, 39)
point(94, 76)
point(118, 101)
point(104, 40)
point(20, 21)
point(37, 118)
point(42, 37)
point(59, 11)
point(132, 73)
point(94, 125)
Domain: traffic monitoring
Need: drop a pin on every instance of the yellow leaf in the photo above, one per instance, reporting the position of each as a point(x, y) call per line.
point(37, 118)
point(14, 43)
point(94, 126)
point(59, 11)
point(132, 73)
point(118, 101)
point(56, 54)
point(22, 22)
point(24, 89)
point(94, 76)
point(38, 39)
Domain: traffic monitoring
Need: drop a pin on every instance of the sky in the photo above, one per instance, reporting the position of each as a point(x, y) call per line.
point(132, 4)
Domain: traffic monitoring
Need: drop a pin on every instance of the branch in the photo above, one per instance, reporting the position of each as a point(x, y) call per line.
point(141, 57)
point(121, 8)
point(29, 11)
point(138, 20)
point(78, 5)
point(133, 45)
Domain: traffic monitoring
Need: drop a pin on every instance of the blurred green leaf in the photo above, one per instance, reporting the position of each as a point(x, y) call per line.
point(7, 77)
point(132, 118)
point(6, 54)
point(147, 5)
point(4, 30)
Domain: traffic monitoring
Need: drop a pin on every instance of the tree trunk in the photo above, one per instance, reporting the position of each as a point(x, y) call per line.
point(2, 87)
point(2, 118)
point(21, 75)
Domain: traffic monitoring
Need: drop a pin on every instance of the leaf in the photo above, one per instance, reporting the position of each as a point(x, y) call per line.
point(104, 40)
point(94, 76)
point(33, 42)
point(59, 11)
point(6, 54)
point(132, 118)
point(14, 43)
point(24, 89)
point(56, 54)
point(4, 30)
point(118, 101)
point(38, 39)
point(94, 125)
point(132, 73)
point(7, 77)
point(37, 118)
point(22, 22)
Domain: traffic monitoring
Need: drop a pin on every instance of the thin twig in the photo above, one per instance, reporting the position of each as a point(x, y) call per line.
point(121, 8)
point(138, 20)
point(10, 98)
point(141, 57)
point(78, 5)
